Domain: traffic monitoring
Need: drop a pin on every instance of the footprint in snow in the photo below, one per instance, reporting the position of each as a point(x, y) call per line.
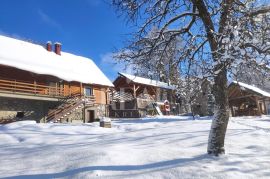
point(21, 139)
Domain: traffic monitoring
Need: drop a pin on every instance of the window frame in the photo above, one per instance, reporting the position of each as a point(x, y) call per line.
point(91, 91)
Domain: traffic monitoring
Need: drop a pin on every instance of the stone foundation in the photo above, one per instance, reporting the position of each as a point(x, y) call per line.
point(80, 115)
point(74, 117)
point(100, 110)
point(24, 109)
point(11, 108)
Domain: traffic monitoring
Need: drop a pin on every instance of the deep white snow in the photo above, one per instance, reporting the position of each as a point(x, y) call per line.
point(146, 81)
point(165, 147)
point(252, 88)
point(35, 58)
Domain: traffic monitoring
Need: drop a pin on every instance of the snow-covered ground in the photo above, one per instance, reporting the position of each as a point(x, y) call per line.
point(173, 147)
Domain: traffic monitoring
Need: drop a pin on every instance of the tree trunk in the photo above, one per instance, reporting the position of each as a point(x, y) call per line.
point(221, 117)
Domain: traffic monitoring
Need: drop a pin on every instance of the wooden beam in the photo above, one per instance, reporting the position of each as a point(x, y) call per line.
point(154, 90)
point(234, 91)
point(258, 106)
point(69, 88)
point(134, 90)
point(56, 85)
point(35, 86)
point(137, 88)
point(265, 110)
point(240, 97)
point(107, 95)
point(232, 111)
point(81, 89)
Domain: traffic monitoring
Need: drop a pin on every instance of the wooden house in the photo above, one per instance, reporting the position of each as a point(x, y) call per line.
point(135, 96)
point(247, 100)
point(46, 85)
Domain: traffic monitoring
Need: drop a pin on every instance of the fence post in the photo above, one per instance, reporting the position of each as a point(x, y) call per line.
point(56, 90)
point(35, 87)
point(14, 85)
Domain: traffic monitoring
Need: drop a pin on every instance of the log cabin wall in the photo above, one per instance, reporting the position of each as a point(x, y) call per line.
point(100, 95)
point(25, 76)
point(75, 87)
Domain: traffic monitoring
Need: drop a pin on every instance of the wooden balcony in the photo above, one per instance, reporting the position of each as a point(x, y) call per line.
point(35, 89)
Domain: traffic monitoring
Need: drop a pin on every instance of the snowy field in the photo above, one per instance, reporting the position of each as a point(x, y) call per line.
point(148, 148)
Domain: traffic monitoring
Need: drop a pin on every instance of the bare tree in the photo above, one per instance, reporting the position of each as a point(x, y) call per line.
point(253, 73)
point(216, 35)
point(151, 65)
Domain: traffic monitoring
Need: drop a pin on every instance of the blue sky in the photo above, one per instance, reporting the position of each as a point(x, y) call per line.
point(89, 28)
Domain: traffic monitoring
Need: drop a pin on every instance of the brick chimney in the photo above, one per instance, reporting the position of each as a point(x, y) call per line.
point(49, 46)
point(57, 48)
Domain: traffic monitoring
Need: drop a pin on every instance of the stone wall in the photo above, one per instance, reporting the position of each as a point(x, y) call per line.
point(81, 114)
point(38, 109)
point(100, 110)
point(31, 109)
point(74, 117)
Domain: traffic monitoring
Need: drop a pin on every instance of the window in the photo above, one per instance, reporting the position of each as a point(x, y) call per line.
point(20, 115)
point(88, 91)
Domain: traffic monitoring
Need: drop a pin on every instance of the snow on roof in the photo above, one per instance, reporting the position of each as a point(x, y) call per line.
point(35, 58)
point(147, 81)
point(252, 88)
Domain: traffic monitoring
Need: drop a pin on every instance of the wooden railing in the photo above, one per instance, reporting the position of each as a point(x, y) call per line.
point(68, 106)
point(121, 96)
point(14, 86)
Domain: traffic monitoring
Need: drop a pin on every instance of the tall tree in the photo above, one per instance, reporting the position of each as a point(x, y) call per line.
point(152, 65)
point(216, 35)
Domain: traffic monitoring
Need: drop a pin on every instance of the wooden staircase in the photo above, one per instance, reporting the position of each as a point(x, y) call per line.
point(69, 106)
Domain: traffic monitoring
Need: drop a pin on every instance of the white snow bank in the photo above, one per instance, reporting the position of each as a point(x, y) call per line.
point(150, 148)
point(147, 81)
point(35, 58)
point(252, 88)
point(19, 124)
point(105, 119)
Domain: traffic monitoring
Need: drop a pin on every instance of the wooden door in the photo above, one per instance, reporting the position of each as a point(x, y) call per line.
point(90, 115)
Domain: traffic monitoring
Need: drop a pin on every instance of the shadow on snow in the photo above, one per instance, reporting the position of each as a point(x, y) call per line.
point(152, 166)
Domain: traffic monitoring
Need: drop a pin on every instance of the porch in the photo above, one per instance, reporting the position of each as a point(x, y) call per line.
point(247, 100)
point(248, 106)
point(34, 90)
